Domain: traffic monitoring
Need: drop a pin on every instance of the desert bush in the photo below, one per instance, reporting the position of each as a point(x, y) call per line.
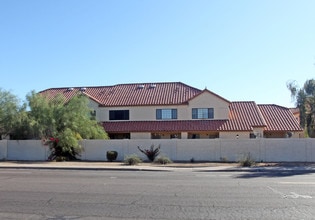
point(247, 161)
point(64, 148)
point(224, 159)
point(151, 153)
point(111, 155)
point(132, 159)
point(163, 160)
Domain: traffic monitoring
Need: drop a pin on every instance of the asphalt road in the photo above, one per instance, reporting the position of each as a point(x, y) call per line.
point(66, 194)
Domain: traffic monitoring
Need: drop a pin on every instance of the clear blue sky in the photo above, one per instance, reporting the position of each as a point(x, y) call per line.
point(244, 50)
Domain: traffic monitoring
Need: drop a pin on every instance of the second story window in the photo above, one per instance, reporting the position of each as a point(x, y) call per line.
point(119, 115)
point(93, 114)
point(166, 114)
point(202, 113)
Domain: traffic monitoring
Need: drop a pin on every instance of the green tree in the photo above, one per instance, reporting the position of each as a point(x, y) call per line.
point(63, 124)
point(12, 113)
point(22, 128)
point(44, 114)
point(305, 101)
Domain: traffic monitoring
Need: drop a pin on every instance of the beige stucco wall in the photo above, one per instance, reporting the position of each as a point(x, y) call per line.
point(99, 111)
point(186, 135)
point(298, 134)
point(283, 134)
point(144, 113)
point(140, 135)
point(208, 100)
point(258, 131)
point(184, 112)
point(234, 135)
point(205, 135)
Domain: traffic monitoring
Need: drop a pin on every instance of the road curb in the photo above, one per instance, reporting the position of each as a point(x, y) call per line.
point(165, 169)
point(83, 168)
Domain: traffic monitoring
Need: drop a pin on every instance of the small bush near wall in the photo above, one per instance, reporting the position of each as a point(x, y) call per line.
point(247, 161)
point(163, 160)
point(111, 155)
point(224, 159)
point(132, 160)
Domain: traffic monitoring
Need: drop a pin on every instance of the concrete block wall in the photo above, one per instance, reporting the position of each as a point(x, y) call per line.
point(310, 150)
point(267, 150)
point(95, 150)
point(295, 150)
point(3, 149)
point(235, 150)
point(27, 150)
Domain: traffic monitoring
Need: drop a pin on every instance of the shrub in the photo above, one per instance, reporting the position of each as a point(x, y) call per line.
point(132, 159)
point(151, 153)
point(224, 159)
point(163, 160)
point(64, 148)
point(111, 155)
point(247, 161)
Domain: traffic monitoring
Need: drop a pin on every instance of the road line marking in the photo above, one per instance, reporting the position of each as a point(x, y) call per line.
point(298, 183)
point(276, 191)
point(293, 195)
point(296, 196)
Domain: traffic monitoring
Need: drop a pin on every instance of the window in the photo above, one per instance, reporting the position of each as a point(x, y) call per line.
point(202, 113)
point(166, 114)
point(195, 136)
point(252, 135)
point(93, 114)
point(119, 136)
point(175, 136)
point(119, 115)
point(156, 136)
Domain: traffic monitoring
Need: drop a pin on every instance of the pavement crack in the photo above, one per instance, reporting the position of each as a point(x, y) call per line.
point(49, 201)
point(136, 200)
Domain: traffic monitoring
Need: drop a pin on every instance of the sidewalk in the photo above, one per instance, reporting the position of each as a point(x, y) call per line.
point(216, 167)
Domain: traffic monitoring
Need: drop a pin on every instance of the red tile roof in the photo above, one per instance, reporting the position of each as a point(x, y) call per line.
point(163, 126)
point(137, 94)
point(243, 117)
point(67, 93)
point(279, 118)
point(295, 110)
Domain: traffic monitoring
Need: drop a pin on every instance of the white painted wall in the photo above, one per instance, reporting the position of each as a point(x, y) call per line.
point(263, 149)
point(275, 150)
point(198, 150)
point(95, 150)
point(27, 150)
point(235, 150)
point(3, 149)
